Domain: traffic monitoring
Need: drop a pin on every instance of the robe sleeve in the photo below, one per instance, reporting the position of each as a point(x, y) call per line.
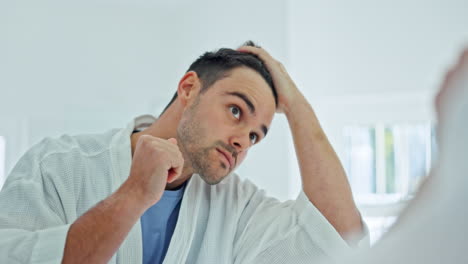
point(32, 223)
point(271, 231)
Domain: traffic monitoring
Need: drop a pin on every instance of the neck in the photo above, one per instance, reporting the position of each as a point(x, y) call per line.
point(165, 127)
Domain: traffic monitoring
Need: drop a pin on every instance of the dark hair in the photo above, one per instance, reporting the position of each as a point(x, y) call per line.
point(213, 66)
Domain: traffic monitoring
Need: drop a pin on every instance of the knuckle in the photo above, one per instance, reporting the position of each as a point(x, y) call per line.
point(164, 155)
point(180, 159)
point(145, 139)
point(175, 149)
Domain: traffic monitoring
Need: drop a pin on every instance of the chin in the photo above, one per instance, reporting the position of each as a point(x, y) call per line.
point(213, 179)
point(210, 169)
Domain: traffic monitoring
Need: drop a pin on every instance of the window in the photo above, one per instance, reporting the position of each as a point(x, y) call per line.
point(2, 161)
point(388, 159)
point(385, 164)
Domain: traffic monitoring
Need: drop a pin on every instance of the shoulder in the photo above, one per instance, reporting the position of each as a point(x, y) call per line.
point(59, 151)
point(84, 144)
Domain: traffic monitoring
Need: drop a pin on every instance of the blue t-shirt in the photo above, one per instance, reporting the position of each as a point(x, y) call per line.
point(158, 224)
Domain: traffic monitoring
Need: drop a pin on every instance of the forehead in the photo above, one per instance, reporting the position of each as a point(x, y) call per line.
point(249, 83)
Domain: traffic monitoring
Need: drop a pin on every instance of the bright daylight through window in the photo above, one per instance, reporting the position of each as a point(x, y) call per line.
point(385, 164)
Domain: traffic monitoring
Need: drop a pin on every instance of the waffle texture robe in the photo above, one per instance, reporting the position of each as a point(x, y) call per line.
point(58, 180)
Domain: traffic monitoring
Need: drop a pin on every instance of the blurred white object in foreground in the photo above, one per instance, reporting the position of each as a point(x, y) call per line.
point(434, 229)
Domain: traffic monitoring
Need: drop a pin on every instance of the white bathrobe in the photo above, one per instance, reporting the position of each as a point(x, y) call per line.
point(233, 222)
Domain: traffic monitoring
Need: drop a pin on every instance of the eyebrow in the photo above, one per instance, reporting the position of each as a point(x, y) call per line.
point(264, 130)
point(251, 107)
point(245, 99)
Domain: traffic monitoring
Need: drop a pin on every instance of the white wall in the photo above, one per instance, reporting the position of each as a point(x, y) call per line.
point(363, 62)
point(355, 47)
point(87, 66)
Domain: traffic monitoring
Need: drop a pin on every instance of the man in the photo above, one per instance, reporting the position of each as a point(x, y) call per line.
point(107, 198)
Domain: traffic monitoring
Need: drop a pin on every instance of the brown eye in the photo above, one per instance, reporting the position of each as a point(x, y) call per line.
point(235, 111)
point(253, 138)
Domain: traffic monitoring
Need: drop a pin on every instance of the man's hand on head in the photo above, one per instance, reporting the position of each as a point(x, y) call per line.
point(324, 180)
point(287, 91)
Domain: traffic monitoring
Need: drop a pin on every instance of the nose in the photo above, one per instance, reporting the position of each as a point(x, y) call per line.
point(240, 142)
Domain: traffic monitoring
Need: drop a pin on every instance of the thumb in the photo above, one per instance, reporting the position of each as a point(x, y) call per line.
point(173, 141)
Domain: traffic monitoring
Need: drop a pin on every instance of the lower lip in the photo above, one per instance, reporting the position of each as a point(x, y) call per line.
point(225, 158)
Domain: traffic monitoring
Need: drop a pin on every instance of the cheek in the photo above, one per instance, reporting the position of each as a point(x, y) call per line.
point(219, 126)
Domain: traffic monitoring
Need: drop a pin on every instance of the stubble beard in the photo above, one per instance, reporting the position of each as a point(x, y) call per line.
point(197, 158)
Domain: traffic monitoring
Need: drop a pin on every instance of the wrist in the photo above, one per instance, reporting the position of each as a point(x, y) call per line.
point(135, 195)
point(294, 101)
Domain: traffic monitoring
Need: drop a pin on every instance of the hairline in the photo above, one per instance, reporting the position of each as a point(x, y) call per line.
point(224, 74)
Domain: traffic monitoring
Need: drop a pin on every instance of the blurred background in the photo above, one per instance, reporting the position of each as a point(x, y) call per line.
point(369, 68)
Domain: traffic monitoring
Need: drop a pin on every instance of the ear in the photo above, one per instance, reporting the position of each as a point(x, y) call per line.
point(189, 88)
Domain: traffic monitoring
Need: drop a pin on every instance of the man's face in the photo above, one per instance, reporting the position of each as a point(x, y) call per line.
point(216, 131)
